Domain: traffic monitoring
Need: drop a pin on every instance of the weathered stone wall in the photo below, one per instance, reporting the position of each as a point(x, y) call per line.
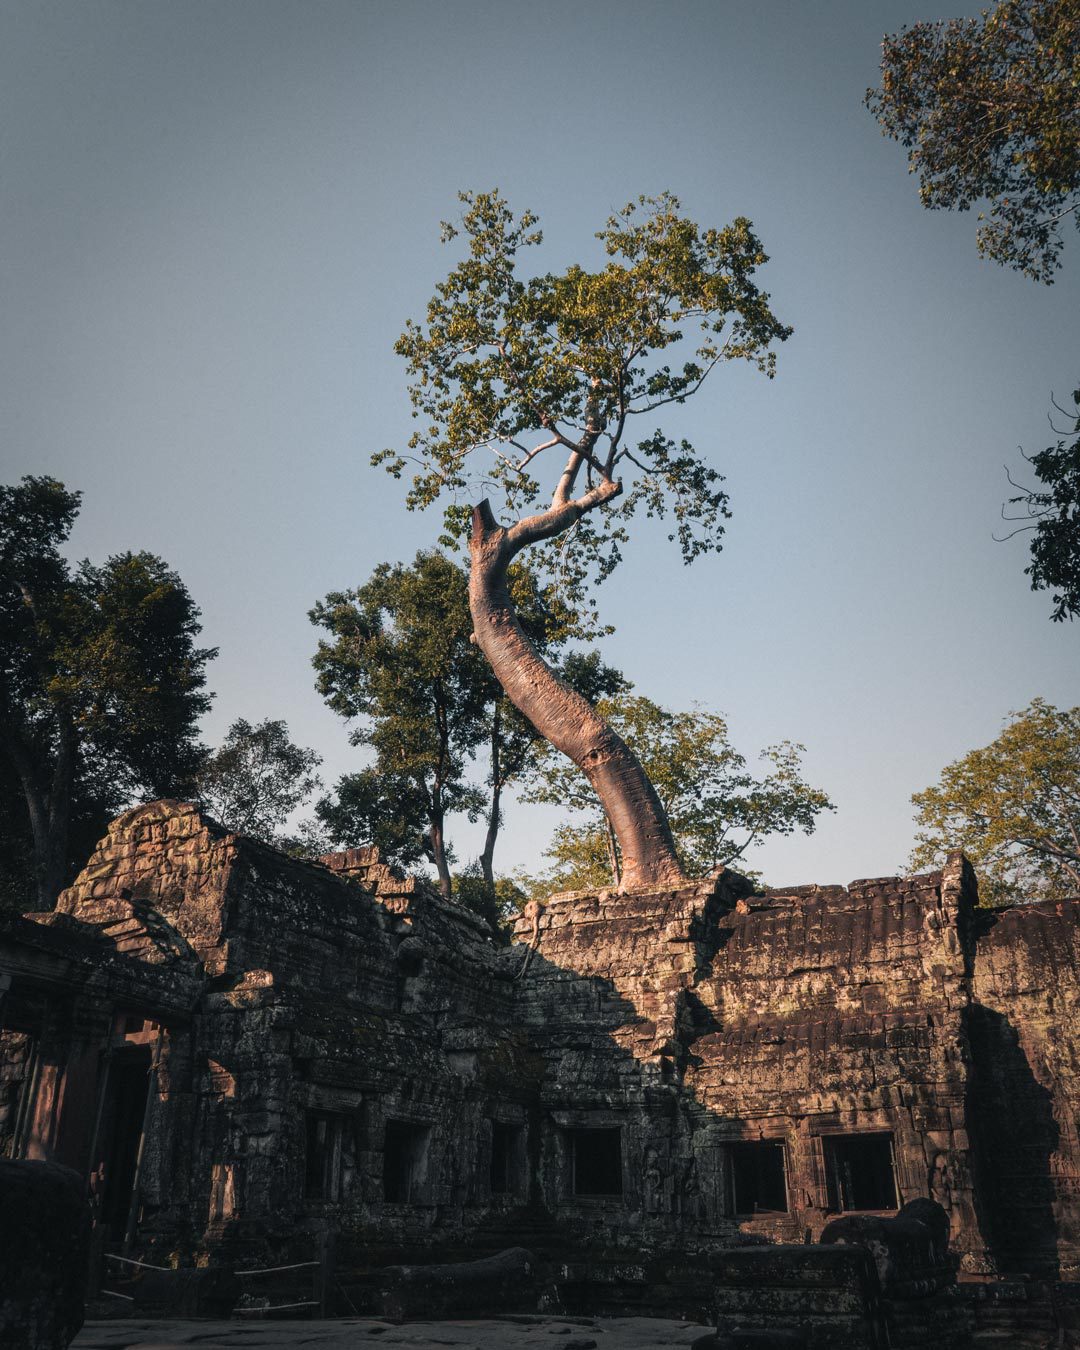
point(331, 1048)
point(338, 997)
point(1024, 1097)
point(708, 1017)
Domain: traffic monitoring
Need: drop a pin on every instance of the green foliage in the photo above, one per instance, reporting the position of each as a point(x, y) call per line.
point(1013, 807)
point(497, 903)
point(101, 683)
point(400, 666)
point(988, 109)
point(507, 371)
point(1055, 513)
point(379, 806)
point(403, 668)
point(718, 808)
point(256, 778)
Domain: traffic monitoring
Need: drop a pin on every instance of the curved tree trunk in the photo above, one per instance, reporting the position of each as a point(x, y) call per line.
point(559, 714)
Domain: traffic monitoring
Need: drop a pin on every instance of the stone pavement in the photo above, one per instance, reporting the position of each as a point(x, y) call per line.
point(354, 1333)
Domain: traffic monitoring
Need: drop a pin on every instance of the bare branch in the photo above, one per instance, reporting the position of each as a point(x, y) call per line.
point(1004, 539)
point(679, 398)
point(1060, 215)
point(1028, 492)
point(559, 517)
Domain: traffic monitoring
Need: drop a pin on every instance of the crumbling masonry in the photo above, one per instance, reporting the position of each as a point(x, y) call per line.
point(248, 1054)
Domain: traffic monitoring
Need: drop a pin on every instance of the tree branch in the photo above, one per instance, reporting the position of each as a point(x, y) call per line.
point(562, 513)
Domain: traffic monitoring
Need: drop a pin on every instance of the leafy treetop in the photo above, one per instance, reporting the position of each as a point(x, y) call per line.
point(256, 778)
point(1013, 807)
point(989, 108)
point(101, 683)
point(508, 370)
point(400, 666)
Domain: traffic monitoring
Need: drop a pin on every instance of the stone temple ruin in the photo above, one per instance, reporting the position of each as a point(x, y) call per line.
point(671, 1097)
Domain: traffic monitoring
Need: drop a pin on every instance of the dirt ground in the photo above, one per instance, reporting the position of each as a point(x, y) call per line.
point(353, 1333)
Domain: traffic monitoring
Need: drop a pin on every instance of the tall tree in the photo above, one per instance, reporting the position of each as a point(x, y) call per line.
point(717, 806)
point(1013, 807)
point(507, 373)
point(403, 664)
point(256, 778)
point(101, 683)
point(988, 110)
point(402, 667)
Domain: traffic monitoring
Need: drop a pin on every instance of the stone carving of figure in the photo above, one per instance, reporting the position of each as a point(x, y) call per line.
point(652, 1182)
point(691, 1191)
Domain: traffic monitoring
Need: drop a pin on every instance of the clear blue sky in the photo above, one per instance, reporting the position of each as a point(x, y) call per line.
point(217, 217)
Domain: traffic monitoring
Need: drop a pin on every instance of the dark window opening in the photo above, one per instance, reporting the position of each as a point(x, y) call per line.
point(405, 1154)
point(597, 1161)
point(322, 1155)
point(860, 1172)
point(757, 1177)
point(506, 1141)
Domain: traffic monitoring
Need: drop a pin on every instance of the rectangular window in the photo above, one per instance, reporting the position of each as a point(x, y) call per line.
point(860, 1172)
point(506, 1158)
point(405, 1160)
point(596, 1161)
point(322, 1157)
point(758, 1183)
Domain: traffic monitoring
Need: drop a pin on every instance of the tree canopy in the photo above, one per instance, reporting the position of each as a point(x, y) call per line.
point(401, 667)
point(718, 807)
point(988, 110)
point(101, 683)
point(1013, 807)
point(507, 373)
point(508, 370)
point(256, 778)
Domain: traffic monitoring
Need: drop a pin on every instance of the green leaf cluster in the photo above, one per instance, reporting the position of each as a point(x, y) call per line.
point(989, 109)
point(1013, 807)
point(101, 680)
point(508, 371)
point(1054, 511)
point(717, 806)
point(256, 778)
point(400, 666)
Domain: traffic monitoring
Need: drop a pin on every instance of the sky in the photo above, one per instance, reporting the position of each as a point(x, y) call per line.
point(218, 217)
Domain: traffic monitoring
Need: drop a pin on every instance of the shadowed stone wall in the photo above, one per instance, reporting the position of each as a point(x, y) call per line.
point(332, 1049)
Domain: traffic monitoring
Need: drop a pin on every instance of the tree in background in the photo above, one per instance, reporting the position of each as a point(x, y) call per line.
point(498, 901)
point(989, 109)
point(717, 807)
point(101, 683)
point(1053, 512)
point(387, 807)
point(401, 666)
point(507, 373)
point(1013, 807)
point(256, 778)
